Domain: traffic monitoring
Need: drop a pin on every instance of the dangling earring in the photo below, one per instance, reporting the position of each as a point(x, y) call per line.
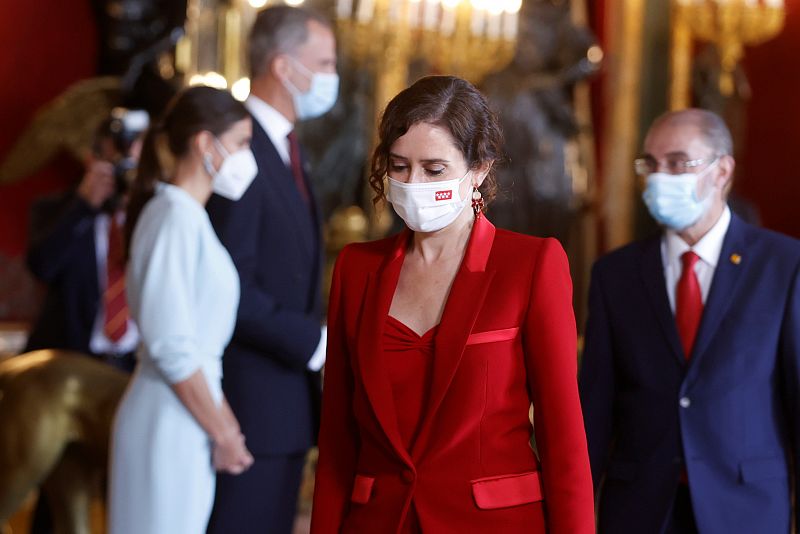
point(478, 204)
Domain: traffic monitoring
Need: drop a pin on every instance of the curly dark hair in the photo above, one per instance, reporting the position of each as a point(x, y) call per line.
point(450, 103)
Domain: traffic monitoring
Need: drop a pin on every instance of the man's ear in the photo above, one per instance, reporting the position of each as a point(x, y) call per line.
point(280, 67)
point(727, 165)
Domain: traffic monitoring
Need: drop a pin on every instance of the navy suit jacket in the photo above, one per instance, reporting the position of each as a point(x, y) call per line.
point(730, 415)
point(273, 236)
point(62, 254)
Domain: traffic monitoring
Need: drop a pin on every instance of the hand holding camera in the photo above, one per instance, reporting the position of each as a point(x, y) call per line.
point(98, 183)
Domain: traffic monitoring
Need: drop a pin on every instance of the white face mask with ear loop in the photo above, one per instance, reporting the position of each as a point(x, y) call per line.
point(237, 172)
point(427, 206)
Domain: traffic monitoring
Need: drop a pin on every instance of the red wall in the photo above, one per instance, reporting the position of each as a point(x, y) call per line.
point(44, 47)
point(770, 173)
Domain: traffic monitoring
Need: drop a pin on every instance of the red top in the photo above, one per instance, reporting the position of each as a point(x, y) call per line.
point(409, 359)
point(409, 364)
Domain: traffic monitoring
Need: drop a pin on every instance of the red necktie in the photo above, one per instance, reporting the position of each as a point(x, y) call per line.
point(116, 306)
point(297, 165)
point(688, 303)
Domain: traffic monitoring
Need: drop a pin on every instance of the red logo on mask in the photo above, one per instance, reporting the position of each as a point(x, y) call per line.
point(444, 195)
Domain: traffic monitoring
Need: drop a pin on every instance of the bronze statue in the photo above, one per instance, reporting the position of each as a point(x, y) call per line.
point(56, 411)
point(534, 100)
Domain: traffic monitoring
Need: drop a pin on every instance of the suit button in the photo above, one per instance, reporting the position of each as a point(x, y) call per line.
point(408, 476)
point(685, 402)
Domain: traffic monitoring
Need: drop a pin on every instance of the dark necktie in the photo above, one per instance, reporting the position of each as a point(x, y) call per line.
point(115, 323)
point(297, 165)
point(688, 303)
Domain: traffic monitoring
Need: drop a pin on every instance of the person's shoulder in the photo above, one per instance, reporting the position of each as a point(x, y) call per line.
point(171, 209)
point(774, 244)
point(56, 201)
point(626, 256)
point(507, 239)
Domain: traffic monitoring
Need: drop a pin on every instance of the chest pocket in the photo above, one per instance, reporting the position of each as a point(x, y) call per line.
point(493, 336)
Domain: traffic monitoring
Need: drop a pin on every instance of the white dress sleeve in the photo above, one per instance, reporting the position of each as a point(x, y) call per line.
point(163, 267)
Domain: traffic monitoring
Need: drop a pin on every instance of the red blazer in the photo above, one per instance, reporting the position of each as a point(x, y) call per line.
point(506, 339)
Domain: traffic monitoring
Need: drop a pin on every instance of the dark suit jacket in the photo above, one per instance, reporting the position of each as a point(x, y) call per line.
point(730, 416)
point(506, 339)
point(273, 236)
point(62, 254)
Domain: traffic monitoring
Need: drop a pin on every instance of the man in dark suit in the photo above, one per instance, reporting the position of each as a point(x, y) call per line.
point(77, 250)
point(271, 377)
point(691, 368)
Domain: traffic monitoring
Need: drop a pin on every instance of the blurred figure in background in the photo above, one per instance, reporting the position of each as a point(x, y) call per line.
point(76, 250)
point(691, 372)
point(173, 427)
point(273, 235)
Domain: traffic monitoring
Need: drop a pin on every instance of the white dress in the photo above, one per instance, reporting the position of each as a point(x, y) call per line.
point(183, 292)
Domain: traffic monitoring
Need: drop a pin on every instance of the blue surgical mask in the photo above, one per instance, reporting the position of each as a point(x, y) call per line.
point(672, 198)
point(321, 96)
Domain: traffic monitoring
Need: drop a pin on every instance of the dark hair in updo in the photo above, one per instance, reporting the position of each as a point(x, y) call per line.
point(191, 111)
point(450, 103)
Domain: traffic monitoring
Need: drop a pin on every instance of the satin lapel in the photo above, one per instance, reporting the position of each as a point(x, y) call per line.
point(377, 300)
point(653, 277)
point(464, 303)
point(281, 182)
point(723, 286)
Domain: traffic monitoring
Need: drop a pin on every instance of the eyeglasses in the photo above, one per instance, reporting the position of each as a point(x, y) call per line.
point(648, 165)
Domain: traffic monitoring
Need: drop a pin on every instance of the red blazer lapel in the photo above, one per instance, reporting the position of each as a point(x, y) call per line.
point(461, 310)
point(377, 300)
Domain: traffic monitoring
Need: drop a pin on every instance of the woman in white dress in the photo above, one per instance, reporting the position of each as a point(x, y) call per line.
point(173, 427)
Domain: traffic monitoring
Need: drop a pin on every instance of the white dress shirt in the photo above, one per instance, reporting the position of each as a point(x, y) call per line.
point(274, 123)
point(708, 249)
point(278, 127)
point(99, 343)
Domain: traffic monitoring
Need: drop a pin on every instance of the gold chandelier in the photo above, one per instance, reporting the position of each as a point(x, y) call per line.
point(730, 25)
point(469, 38)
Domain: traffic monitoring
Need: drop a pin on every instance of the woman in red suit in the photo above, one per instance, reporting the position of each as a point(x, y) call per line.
point(440, 339)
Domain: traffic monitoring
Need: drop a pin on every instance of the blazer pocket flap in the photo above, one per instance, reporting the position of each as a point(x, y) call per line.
point(362, 489)
point(763, 468)
point(491, 336)
point(507, 490)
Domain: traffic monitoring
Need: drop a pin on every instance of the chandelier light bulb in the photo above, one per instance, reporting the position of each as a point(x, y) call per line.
point(241, 89)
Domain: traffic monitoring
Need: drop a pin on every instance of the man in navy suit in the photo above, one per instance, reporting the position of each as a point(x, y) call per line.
point(76, 246)
point(271, 377)
point(71, 237)
point(691, 366)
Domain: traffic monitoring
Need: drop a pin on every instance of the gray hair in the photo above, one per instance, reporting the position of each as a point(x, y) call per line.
point(278, 30)
point(711, 126)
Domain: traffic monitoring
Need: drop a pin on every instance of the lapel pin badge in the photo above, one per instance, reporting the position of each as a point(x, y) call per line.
point(736, 259)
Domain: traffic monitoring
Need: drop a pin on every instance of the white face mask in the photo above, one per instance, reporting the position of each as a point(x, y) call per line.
point(428, 206)
point(320, 97)
point(234, 175)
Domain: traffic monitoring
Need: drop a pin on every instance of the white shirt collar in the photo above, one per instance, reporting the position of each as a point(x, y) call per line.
point(708, 248)
point(270, 119)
